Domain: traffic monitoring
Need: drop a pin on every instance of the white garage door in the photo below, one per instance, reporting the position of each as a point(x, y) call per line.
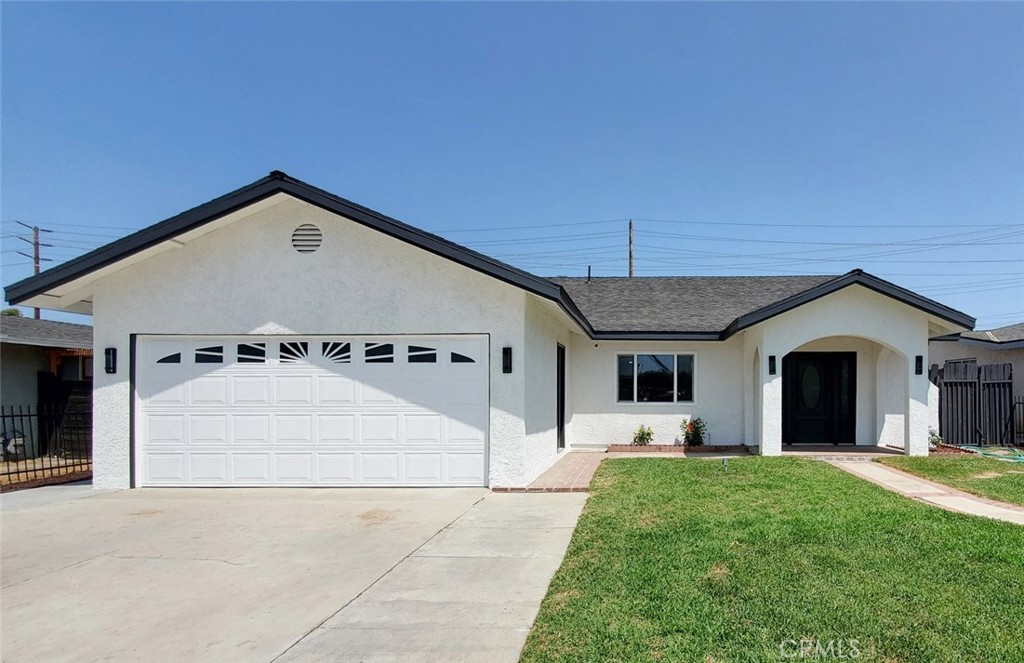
point(318, 410)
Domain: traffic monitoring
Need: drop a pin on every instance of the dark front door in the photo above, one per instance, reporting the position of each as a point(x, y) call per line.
point(820, 397)
point(560, 407)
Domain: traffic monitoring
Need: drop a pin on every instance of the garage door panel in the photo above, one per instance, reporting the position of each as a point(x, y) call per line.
point(337, 467)
point(463, 431)
point(167, 392)
point(424, 429)
point(293, 428)
point(335, 390)
point(379, 468)
point(294, 468)
point(379, 429)
point(211, 390)
point(378, 392)
point(293, 390)
point(336, 429)
point(208, 468)
point(251, 390)
point(165, 429)
point(312, 410)
point(467, 468)
point(251, 467)
point(251, 429)
point(166, 468)
point(423, 467)
point(207, 429)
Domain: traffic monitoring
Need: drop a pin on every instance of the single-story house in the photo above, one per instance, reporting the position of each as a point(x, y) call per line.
point(282, 335)
point(42, 363)
point(36, 354)
point(1004, 345)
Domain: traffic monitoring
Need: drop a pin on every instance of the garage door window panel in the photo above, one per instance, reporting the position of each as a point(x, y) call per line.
point(252, 353)
point(379, 353)
point(213, 354)
point(293, 352)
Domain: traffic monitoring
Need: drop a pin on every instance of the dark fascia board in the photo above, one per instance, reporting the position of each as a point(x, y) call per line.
point(855, 277)
point(655, 336)
point(279, 182)
point(980, 342)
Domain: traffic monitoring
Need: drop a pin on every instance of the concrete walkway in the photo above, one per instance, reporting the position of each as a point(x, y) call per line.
point(932, 493)
point(470, 593)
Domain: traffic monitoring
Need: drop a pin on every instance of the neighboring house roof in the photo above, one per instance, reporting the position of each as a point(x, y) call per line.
point(44, 333)
point(634, 308)
point(1007, 334)
point(1010, 337)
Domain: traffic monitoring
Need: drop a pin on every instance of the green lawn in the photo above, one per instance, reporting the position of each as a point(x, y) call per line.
point(677, 560)
point(994, 479)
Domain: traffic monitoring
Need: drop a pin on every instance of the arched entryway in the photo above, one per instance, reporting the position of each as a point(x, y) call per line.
point(844, 390)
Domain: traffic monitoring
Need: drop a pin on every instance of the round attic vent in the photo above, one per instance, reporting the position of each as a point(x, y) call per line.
point(307, 238)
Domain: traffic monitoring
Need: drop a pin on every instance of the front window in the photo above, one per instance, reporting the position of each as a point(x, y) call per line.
point(650, 378)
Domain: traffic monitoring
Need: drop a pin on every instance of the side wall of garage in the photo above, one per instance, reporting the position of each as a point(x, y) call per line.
point(545, 330)
point(246, 278)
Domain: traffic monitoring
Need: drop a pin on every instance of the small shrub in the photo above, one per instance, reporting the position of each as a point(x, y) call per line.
point(643, 436)
point(934, 439)
point(694, 432)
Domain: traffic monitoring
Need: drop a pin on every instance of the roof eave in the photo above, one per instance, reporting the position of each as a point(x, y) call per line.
point(855, 277)
point(278, 182)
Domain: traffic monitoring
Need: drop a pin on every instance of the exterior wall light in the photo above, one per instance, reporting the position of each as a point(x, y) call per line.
point(110, 360)
point(506, 360)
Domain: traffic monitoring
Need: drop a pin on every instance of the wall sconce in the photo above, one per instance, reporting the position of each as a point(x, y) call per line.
point(110, 360)
point(919, 365)
point(506, 360)
point(771, 365)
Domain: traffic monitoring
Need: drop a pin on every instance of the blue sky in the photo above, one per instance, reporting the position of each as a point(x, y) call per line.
point(745, 138)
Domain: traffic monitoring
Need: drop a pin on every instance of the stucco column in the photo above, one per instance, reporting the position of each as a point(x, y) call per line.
point(771, 414)
point(917, 414)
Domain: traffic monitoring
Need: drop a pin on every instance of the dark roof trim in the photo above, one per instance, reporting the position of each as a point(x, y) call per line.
point(1015, 344)
point(655, 336)
point(279, 182)
point(856, 277)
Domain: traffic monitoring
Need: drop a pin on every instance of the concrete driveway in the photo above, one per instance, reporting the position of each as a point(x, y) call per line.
point(277, 574)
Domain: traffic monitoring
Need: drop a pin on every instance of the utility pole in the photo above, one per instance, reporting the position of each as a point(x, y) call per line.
point(35, 250)
point(631, 248)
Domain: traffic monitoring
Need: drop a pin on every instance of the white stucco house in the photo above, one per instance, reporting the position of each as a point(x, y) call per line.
point(281, 335)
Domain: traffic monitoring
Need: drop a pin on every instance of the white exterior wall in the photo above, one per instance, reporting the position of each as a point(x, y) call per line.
point(545, 329)
point(598, 418)
point(245, 278)
point(852, 312)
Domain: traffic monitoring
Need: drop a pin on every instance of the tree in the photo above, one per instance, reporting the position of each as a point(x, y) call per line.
point(11, 311)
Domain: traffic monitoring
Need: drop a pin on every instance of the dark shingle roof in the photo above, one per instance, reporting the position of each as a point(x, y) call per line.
point(678, 303)
point(45, 333)
point(1007, 334)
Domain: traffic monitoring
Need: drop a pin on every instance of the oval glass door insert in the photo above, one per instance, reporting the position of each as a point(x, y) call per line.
point(810, 384)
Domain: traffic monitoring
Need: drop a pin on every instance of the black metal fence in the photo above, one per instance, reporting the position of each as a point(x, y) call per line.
point(46, 444)
point(976, 404)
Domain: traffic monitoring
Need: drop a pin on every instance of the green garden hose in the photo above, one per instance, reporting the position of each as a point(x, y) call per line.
point(1008, 454)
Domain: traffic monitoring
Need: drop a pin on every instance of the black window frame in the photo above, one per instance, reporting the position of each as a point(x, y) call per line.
point(633, 358)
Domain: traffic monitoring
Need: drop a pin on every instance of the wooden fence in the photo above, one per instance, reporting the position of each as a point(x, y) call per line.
point(976, 404)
